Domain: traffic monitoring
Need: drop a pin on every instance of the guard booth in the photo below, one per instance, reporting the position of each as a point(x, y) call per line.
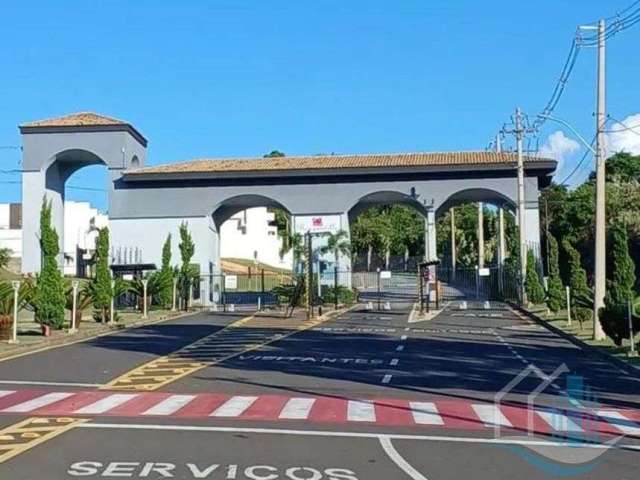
point(430, 290)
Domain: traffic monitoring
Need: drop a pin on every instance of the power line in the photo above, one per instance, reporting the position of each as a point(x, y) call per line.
point(625, 129)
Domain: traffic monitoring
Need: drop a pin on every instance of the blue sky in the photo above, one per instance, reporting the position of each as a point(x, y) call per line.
point(237, 78)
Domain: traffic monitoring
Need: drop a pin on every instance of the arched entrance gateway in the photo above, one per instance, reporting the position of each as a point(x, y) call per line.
point(147, 203)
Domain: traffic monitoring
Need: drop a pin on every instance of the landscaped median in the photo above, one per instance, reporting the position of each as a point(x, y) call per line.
point(582, 333)
point(31, 340)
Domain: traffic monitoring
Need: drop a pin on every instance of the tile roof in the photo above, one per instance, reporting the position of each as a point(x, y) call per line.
point(329, 162)
point(80, 119)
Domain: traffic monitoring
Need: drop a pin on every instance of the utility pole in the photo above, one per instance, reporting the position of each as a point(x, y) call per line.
point(519, 132)
point(452, 212)
point(480, 235)
point(600, 237)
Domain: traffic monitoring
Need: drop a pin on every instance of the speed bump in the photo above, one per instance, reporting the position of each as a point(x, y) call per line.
point(28, 433)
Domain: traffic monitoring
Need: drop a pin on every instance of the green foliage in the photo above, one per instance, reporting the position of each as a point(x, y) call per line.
point(25, 296)
point(337, 244)
point(532, 285)
point(581, 294)
point(274, 154)
point(49, 298)
point(346, 296)
point(555, 293)
point(620, 291)
point(102, 293)
point(5, 256)
point(163, 279)
point(187, 270)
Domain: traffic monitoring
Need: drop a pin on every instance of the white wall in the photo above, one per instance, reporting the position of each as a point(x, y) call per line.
point(248, 235)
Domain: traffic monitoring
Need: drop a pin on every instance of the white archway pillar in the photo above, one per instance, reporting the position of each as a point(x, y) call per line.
point(480, 235)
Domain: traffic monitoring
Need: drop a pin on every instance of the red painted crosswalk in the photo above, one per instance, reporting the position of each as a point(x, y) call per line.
point(449, 414)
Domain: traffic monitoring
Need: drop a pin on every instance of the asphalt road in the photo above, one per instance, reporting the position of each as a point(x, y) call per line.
point(369, 395)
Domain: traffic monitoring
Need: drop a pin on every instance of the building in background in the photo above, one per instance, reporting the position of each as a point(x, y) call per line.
point(81, 222)
point(252, 235)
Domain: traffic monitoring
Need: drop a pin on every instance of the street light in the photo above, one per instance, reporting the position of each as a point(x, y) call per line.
point(16, 289)
point(145, 281)
point(573, 130)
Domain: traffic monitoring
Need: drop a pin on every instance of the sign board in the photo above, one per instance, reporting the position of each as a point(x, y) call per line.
point(484, 272)
point(316, 223)
point(385, 274)
point(230, 282)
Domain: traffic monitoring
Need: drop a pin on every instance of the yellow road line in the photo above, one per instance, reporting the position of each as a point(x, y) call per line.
point(28, 433)
point(164, 370)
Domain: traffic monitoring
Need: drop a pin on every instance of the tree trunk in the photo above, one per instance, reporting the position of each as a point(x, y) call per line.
point(369, 254)
point(387, 255)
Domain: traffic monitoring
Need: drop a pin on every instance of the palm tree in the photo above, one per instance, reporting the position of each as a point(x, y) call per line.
point(338, 244)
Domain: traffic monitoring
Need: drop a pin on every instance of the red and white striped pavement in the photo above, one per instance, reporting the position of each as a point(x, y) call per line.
point(457, 414)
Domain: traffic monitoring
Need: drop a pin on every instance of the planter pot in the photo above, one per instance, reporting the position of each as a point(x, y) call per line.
point(46, 330)
point(6, 327)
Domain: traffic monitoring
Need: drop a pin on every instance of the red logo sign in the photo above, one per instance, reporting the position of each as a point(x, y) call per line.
point(316, 221)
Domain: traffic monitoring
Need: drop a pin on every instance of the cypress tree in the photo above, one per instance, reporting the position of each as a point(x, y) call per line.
point(50, 298)
point(620, 288)
point(165, 275)
point(555, 293)
point(532, 285)
point(187, 249)
point(581, 295)
point(102, 291)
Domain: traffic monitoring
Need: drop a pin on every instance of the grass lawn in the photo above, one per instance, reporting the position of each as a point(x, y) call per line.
point(584, 333)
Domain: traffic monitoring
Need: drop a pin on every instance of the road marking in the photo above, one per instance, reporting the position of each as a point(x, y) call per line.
point(38, 402)
point(4, 393)
point(399, 348)
point(169, 405)
point(425, 413)
point(387, 378)
point(105, 404)
point(559, 421)
point(619, 421)
point(360, 411)
point(491, 415)
point(393, 454)
point(234, 406)
point(28, 433)
point(297, 408)
point(394, 362)
point(403, 338)
point(49, 384)
point(328, 433)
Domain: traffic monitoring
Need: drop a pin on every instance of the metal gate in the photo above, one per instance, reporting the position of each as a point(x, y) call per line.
point(387, 290)
point(491, 283)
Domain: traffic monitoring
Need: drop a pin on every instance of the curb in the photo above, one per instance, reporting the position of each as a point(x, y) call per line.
point(577, 342)
point(71, 339)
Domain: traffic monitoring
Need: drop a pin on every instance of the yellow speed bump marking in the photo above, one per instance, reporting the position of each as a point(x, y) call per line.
point(25, 435)
point(164, 370)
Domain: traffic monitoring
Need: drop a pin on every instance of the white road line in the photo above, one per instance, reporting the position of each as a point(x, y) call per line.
point(387, 378)
point(393, 454)
point(399, 348)
point(297, 408)
point(4, 393)
point(619, 421)
point(403, 338)
point(559, 421)
point(233, 407)
point(105, 404)
point(169, 405)
point(38, 402)
point(360, 411)
point(425, 413)
point(394, 362)
point(50, 384)
point(328, 433)
point(491, 415)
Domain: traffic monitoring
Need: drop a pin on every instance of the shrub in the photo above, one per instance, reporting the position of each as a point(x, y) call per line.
point(532, 285)
point(555, 292)
point(346, 296)
point(102, 291)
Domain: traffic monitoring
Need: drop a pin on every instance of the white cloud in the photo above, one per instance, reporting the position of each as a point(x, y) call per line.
point(559, 147)
point(624, 137)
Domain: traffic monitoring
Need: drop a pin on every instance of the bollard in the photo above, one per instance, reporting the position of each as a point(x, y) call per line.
point(487, 305)
point(568, 292)
point(632, 351)
point(74, 303)
point(463, 305)
point(232, 307)
point(144, 297)
point(16, 289)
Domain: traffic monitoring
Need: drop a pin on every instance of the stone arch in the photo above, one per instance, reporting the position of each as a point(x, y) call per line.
point(484, 195)
point(386, 197)
point(232, 205)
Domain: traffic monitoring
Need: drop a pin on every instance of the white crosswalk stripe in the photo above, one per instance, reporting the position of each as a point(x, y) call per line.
point(491, 415)
point(38, 402)
point(105, 404)
point(425, 413)
point(234, 406)
point(169, 405)
point(361, 411)
point(619, 421)
point(297, 408)
point(559, 421)
point(4, 393)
